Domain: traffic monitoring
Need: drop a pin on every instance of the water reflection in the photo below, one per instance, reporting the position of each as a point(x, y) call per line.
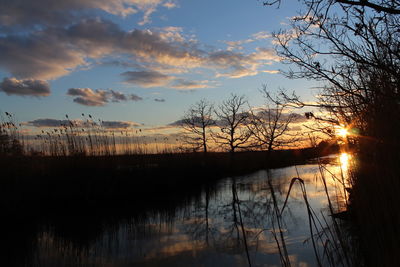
point(345, 161)
point(228, 223)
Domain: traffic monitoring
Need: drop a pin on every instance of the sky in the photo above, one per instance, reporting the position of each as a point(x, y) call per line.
point(139, 63)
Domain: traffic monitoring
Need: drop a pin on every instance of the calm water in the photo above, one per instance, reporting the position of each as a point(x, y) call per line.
point(208, 227)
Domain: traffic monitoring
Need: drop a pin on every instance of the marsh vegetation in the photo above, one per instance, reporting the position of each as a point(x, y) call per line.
point(237, 221)
point(199, 204)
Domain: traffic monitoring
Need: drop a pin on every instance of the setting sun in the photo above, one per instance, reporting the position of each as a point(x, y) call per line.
point(342, 132)
point(185, 133)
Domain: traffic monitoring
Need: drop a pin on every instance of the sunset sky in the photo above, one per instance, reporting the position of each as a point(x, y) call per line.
point(138, 61)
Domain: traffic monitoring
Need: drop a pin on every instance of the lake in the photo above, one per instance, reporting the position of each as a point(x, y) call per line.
point(232, 222)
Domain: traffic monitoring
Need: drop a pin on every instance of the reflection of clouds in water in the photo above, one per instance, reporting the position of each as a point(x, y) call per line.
point(175, 245)
point(204, 231)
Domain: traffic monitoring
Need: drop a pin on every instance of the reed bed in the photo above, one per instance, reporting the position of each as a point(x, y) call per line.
point(333, 238)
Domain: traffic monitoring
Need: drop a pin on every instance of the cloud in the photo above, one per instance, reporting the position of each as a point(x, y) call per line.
point(299, 118)
point(159, 99)
point(41, 55)
point(173, 34)
point(147, 78)
point(170, 5)
point(55, 52)
point(54, 123)
point(238, 44)
point(146, 17)
point(51, 52)
point(119, 124)
point(46, 123)
point(261, 35)
point(177, 123)
point(232, 45)
point(98, 97)
point(182, 84)
point(31, 14)
point(262, 112)
point(285, 36)
point(237, 65)
point(271, 71)
point(118, 96)
point(156, 79)
point(26, 87)
point(196, 120)
point(264, 54)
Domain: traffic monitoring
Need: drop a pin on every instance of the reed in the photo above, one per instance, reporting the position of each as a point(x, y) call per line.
point(11, 141)
point(332, 241)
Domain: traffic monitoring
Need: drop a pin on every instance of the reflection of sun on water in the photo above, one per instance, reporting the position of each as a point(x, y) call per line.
point(344, 161)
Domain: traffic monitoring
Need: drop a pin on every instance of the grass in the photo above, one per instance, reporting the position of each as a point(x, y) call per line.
point(82, 179)
point(79, 169)
point(83, 163)
point(332, 239)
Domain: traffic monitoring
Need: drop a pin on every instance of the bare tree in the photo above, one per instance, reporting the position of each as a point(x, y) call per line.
point(352, 47)
point(386, 6)
point(270, 124)
point(196, 122)
point(232, 120)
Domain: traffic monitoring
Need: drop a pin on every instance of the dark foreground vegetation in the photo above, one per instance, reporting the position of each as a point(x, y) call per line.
point(352, 47)
point(71, 204)
point(35, 183)
point(77, 188)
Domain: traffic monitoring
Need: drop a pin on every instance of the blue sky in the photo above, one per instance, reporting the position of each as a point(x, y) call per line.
point(144, 61)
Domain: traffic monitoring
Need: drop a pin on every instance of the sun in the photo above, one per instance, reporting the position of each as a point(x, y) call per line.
point(342, 132)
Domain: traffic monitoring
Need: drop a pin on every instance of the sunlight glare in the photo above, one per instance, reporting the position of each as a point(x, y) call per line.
point(344, 161)
point(342, 132)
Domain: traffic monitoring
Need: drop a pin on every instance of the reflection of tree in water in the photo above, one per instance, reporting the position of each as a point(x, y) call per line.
point(235, 222)
point(197, 217)
point(235, 216)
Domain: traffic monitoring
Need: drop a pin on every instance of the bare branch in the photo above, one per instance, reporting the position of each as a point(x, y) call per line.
point(232, 119)
point(196, 123)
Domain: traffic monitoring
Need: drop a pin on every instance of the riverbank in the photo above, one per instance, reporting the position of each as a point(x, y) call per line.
point(188, 228)
point(98, 182)
point(373, 206)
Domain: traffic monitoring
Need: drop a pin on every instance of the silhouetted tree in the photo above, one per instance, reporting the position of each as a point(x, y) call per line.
point(353, 48)
point(232, 120)
point(386, 6)
point(196, 122)
point(270, 125)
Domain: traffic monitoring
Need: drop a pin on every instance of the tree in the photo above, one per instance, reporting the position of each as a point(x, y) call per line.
point(352, 47)
point(196, 122)
point(354, 50)
point(386, 6)
point(270, 125)
point(232, 120)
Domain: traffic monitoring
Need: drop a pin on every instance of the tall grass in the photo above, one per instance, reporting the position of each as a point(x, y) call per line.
point(332, 242)
point(83, 137)
point(280, 242)
point(11, 141)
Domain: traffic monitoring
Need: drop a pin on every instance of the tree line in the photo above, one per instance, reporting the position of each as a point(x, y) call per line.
point(234, 124)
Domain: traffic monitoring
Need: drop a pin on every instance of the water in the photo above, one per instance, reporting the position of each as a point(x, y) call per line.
point(212, 226)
